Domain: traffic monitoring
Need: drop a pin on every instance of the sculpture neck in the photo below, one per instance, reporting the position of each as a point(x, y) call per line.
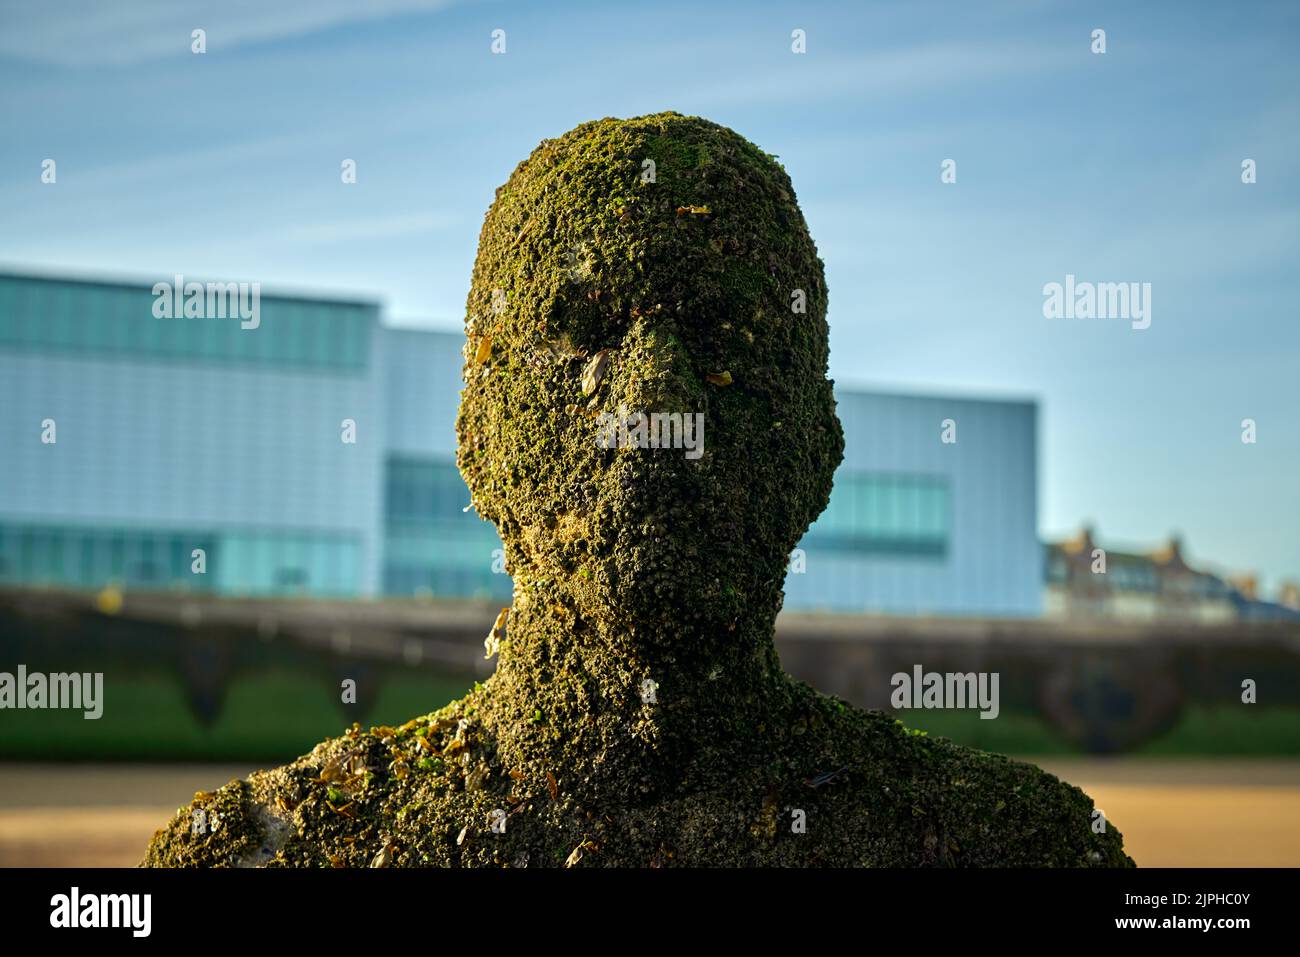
point(660, 691)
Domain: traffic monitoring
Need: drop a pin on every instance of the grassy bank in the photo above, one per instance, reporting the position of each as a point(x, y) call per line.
point(272, 716)
point(277, 715)
point(1201, 731)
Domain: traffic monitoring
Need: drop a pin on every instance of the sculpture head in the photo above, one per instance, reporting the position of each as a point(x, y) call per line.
point(657, 265)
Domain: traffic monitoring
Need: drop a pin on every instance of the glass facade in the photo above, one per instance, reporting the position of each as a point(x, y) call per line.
point(278, 563)
point(107, 320)
point(885, 514)
point(431, 544)
point(233, 562)
point(184, 433)
point(94, 557)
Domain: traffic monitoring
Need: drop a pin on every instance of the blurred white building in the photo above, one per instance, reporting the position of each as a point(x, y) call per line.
point(184, 434)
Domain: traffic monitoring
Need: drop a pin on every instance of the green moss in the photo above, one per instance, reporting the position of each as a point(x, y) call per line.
point(640, 568)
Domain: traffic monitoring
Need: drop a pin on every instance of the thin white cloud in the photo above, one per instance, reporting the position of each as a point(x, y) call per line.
point(380, 227)
point(92, 33)
point(888, 73)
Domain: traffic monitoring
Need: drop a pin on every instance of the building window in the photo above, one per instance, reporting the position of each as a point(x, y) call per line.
point(93, 319)
point(873, 513)
point(89, 557)
point(431, 544)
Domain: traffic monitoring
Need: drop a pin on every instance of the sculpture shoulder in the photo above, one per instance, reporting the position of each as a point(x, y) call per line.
point(337, 806)
point(830, 786)
point(238, 825)
point(927, 801)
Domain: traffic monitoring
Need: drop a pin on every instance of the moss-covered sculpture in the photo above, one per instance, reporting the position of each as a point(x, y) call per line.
point(638, 715)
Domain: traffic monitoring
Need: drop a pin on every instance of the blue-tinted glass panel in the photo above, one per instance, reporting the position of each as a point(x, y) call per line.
point(884, 513)
point(86, 318)
point(432, 546)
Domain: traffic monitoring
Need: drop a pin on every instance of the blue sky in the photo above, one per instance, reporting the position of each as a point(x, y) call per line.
point(1116, 167)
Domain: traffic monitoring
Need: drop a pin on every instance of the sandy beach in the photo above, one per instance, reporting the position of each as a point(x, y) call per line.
point(1174, 813)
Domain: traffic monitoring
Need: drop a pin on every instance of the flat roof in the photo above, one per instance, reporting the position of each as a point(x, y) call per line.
point(39, 274)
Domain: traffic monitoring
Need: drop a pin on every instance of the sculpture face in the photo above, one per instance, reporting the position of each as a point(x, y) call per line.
point(606, 285)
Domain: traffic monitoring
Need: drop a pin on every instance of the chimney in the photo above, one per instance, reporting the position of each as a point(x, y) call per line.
point(1082, 543)
point(1171, 553)
point(1247, 585)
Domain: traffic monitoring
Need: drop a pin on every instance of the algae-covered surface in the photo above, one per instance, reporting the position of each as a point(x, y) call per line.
point(638, 715)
